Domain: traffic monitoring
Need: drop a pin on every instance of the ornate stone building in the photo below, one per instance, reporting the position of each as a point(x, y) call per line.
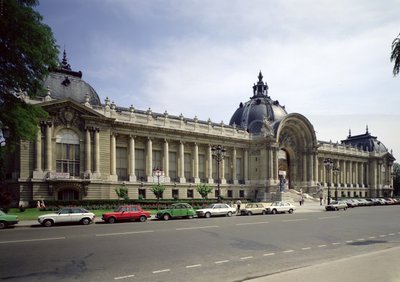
point(86, 149)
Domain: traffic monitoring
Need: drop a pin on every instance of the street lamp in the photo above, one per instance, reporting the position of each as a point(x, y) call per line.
point(218, 153)
point(335, 170)
point(329, 166)
point(158, 172)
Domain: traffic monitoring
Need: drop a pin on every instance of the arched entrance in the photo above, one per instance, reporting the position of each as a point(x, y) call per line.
point(68, 194)
point(283, 169)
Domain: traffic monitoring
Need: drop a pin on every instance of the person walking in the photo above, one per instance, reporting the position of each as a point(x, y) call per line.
point(238, 204)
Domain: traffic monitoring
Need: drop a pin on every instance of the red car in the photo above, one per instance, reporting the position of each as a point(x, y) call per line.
point(126, 213)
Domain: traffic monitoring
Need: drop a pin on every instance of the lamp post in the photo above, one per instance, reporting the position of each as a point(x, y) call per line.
point(329, 166)
point(218, 153)
point(335, 170)
point(158, 172)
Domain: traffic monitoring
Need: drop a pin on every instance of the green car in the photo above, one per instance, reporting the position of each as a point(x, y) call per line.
point(175, 211)
point(7, 219)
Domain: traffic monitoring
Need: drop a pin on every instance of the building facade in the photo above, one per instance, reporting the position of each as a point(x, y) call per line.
point(86, 149)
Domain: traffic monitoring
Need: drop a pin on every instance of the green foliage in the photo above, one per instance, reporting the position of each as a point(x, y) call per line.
point(122, 193)
point(28, 49)
point(5, 200)
point(158, 190)
point(395, 56)
point(396, 179)
point(204, 190)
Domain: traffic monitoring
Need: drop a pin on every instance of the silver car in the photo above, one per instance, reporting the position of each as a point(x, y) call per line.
point(281, 207)
point(67, 215)
point(216, 210)
point(336, 205)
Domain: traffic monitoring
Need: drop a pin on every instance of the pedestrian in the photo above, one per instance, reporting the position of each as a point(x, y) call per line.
point(300, 201)
point(238, 203)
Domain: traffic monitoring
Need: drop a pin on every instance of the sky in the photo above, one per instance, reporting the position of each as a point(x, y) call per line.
point(327, 60)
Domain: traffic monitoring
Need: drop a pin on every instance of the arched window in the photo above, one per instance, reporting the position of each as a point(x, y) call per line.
point(68, 152)
point(68, 195)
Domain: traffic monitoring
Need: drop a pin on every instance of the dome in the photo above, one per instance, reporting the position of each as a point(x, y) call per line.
point(261, 108)
point(67, 84)
point(366, 142)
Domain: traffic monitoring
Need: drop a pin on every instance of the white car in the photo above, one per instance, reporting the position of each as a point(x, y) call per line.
point(281, 207)
point(67, 215)
point(216, 210)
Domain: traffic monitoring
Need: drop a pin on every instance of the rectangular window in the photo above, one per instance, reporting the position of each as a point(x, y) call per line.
point(230, 194)
point(216, 193)
point(227, 168)
point(122, 163)
point(175, 193)
point(142, 193)
point(68, 159)
point(190, 193)
point(188, 167)
point(172, 166)
point(202, 168)
point(140, 164)
point(241, 194)
point(157, 159)
point(239, 169)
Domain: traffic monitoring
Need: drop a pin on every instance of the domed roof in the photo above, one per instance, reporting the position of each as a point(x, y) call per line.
point(366, 142)
point(64, 83)
point(261, 108)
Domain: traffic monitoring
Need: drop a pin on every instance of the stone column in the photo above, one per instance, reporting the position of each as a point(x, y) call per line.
point(149, 160)
point(196, 163)
point(234, 168)
point(88, 153)
point(113, 158)
point(304, 167)
point(276, 164)
point(222, 172)
point(246, 166)
point(315, 175)
point(49, 149)
point(344, 173)
point(181, 166)
point(270, 165)
point(166, 161)
point(38, 172)
point(132, 175)
point(310, 168)
point(362, 175)
point(209, 167)
point(97, 152)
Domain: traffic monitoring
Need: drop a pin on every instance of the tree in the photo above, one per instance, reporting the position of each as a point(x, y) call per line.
point(396, 179)
point(395, 56)
point(122, 193)
point(204, 190)
point(158, 191)
point(27, 51)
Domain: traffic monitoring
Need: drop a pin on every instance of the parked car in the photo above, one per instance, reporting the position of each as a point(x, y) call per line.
point(7, 220)
point(126, 213)
point(67, 215)
point(351, 204)
point(336, 205)
point(175, 211)
point(280, 207)
point(216, 210)
point(253, 208)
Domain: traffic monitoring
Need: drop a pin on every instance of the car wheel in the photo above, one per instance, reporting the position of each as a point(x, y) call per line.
point(229, 214)
point(3, 224)
point(345, 209)
point(249, 213)
point(111, 220)
point(48, 223)
point(274, 211)
point(207, 215)
point(336, 209)
point(166, 216)
point(291, 211)
point(142, 218)
point(85, 221)
point(263, 212)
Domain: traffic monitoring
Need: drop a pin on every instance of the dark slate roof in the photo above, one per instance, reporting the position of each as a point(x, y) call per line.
point(366, 142)
point(252, 114)
point(64, 83)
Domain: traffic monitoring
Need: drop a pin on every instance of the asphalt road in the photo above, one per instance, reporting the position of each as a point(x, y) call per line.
point(216, 249)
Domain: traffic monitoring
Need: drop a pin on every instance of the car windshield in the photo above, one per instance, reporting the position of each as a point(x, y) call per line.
point(211, 206)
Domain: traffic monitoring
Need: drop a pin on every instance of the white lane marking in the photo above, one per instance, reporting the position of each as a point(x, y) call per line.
point(321, 246)
point(251, 223)
point(268, 254)
point(124, 277)
point(244, 258)
point(372, 237)
point(391, 234)
point(328, 217)
point(32, 240)
point(199, 227)
point(193, 265)
point(288, 251)
point(382, 236)
point(124, 233)
point(336, 243)
point(361, 239)
point(350, 241)
point(162, 270)
point(306, 248)
point(221, 261)
point(291, 220)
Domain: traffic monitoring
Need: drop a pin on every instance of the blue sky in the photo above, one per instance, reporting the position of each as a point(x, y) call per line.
point(327, 60)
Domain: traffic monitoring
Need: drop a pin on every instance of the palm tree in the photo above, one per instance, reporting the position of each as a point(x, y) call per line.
point(396, 55)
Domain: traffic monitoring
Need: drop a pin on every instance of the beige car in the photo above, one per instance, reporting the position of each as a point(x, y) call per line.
point(253, 208)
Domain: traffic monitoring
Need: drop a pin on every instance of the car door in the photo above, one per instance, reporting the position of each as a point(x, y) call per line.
point(124, 213)
point(64, 216)
point(76, 215)
point(133, 213)
point(179, 210)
